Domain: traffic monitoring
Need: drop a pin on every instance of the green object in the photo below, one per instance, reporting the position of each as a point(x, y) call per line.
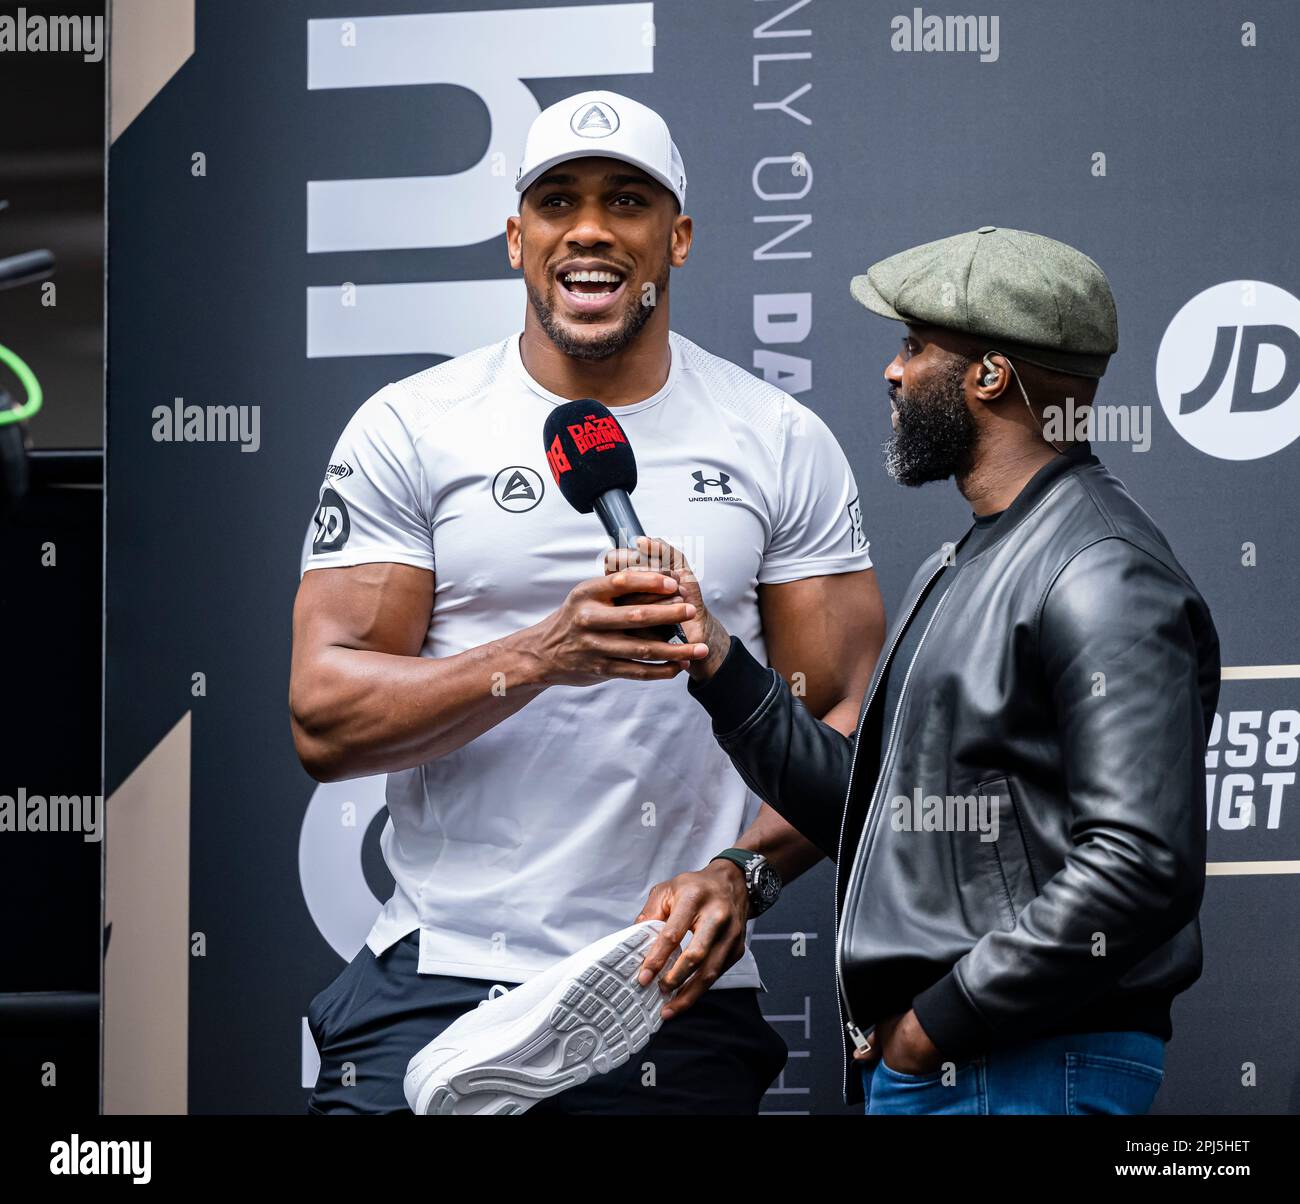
point(740, 857)
point(1027, 295)
point(35, 398)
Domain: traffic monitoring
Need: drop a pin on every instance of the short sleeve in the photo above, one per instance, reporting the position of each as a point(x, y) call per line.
point(372, 504)
point(818, 529)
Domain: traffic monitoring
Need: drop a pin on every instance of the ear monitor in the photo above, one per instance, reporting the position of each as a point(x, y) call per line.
point(993, 375)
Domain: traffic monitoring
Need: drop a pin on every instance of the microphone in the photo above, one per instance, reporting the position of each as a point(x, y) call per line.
point(593, 465)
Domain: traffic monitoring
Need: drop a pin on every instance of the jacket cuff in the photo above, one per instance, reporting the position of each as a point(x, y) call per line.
point(735, 691)
point(951, 1022)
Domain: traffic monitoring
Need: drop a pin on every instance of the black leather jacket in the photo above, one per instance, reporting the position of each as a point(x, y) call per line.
point(1069, 676)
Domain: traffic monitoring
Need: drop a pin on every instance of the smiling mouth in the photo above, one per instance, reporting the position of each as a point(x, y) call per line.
point(591, 291)
point(593, 282)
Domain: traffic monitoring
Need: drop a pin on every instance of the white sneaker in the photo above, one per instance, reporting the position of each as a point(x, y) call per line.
point(583, 1016)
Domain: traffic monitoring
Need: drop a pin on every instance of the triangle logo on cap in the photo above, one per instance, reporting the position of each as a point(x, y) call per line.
point(595, 120)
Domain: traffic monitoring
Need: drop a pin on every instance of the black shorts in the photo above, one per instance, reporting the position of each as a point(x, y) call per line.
point(719, 1056)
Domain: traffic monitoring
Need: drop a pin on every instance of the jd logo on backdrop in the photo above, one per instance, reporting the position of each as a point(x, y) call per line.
point(1228, 370)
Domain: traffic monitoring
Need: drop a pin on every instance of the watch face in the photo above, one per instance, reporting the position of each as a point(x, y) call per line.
point(767, 885)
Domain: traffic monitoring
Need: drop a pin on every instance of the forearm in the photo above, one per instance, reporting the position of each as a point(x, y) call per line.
point(1092, 922)
point(363, 712)
point(786, 850)
point(798, 763)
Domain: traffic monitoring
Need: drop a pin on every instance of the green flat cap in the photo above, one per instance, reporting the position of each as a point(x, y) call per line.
point(1029, 296)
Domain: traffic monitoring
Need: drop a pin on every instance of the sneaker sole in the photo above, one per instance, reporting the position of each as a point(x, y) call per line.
point(593, 1021)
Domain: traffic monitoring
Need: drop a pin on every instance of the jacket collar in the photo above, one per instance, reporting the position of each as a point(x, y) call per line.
point(1078, 456)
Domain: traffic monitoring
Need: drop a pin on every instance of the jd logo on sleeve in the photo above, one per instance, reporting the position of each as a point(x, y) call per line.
point(332, 524)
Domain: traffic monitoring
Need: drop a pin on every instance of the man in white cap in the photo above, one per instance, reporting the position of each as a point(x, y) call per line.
point(456, 630)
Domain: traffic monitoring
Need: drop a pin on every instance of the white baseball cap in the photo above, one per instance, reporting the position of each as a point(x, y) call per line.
point(610, 126)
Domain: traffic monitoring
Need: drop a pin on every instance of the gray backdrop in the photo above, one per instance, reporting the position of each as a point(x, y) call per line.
point(210, 300)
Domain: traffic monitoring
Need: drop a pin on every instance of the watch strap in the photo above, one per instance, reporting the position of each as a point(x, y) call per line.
point(740, 857)
point(749, 863)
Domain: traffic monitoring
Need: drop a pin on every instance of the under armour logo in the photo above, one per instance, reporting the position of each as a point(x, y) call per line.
point(719, 482)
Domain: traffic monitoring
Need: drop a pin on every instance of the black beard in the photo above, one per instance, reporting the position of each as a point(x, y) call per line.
point(936, 434)
point(635, 315)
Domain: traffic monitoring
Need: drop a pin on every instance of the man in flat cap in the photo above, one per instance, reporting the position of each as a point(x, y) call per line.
point(1019, 821)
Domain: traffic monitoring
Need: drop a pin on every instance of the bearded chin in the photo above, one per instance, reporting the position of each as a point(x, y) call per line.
point(596, 347)
point(936, 435)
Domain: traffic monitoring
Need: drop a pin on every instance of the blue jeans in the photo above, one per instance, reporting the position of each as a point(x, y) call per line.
point(1116, 1073)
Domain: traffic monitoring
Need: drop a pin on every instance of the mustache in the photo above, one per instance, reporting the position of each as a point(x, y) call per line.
point(563, 265)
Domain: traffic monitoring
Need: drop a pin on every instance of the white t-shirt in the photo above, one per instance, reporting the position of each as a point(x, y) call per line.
point(548, 831)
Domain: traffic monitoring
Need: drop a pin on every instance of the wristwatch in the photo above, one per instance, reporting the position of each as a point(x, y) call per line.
point(761, 881)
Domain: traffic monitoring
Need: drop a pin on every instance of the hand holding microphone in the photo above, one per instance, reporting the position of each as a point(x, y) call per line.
point(593, 465)
point(703, 626)
point(626, 624)
point(591, 638)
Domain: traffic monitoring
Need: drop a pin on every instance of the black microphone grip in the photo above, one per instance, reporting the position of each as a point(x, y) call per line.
point(623, 527)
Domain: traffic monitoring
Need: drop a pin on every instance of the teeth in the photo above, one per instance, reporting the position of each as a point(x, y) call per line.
point(591, 277)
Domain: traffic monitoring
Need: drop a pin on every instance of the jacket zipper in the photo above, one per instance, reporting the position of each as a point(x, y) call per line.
point(846, 1013)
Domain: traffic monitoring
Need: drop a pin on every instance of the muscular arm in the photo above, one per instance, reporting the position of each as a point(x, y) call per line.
point(362, 700)
point(830, 630)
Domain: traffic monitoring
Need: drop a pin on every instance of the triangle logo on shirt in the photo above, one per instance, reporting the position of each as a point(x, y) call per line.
point(517, 488)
